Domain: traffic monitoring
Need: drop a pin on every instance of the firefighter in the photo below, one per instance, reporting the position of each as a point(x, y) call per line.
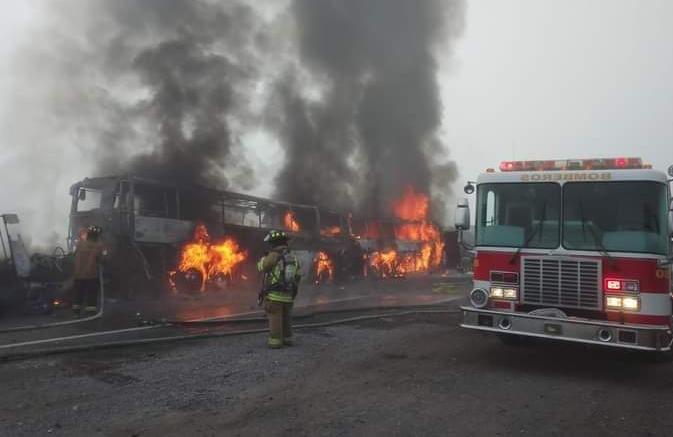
point(89, 252)
point(280, 286)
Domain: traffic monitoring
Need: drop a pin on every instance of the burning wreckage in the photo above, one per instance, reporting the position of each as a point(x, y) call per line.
point(164, 236)
point(31, 283)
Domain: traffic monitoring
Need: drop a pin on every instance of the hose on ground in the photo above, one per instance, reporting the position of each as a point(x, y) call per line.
point(231, 320)
point(98, 315)
point(207, 335)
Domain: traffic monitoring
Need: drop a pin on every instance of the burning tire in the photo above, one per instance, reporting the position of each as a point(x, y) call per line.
point(188, 281)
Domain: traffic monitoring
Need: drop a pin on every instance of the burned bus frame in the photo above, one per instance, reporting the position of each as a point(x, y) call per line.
point(146, 221)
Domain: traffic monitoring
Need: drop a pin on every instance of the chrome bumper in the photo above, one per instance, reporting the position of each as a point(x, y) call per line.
point(630, 336)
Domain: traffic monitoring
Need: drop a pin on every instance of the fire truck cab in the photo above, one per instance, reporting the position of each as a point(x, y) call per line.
point(574, 250)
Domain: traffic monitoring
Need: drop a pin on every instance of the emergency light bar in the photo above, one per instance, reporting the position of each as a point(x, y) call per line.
point(574, 164)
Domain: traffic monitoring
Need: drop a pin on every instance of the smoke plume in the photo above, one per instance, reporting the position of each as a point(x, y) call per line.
point(158, 88)
point(192, 60)
point(170, 88)
point(373, 130)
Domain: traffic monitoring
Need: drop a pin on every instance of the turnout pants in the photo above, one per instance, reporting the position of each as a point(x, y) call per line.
point(280, 322)
point(86, 295)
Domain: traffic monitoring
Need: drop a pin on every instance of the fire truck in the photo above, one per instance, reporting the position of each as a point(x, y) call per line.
point(574, 250)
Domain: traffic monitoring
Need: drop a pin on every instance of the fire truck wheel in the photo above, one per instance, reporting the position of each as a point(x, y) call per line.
point(512, 339)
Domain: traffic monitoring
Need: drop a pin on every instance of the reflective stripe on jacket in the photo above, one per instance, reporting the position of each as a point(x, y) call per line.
point(272, 268)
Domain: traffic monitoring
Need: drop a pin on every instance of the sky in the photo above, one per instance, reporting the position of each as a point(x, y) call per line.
point(529, 79)
point(545, 79)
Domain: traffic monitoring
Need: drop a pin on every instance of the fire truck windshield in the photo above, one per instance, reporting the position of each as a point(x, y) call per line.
point(622, 216)
point(516, 214)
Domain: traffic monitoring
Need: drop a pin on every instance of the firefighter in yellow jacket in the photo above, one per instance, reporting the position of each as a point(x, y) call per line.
point(89, 253)
point(281, 283)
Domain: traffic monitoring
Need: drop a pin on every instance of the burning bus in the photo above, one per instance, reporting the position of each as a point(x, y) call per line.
point(161, 235)
point(576, 250)
point(407, 243)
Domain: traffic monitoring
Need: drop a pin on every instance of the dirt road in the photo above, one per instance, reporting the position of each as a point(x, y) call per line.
point(415, 375)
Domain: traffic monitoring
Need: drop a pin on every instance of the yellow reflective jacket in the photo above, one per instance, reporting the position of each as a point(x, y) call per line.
point(277, 266)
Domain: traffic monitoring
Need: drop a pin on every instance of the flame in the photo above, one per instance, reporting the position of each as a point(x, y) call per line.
point(412, 206)
point(385, 263)
point(209, 259)
point(290, 222)
point(332, 231)
point(413, 209)
point(324, 266)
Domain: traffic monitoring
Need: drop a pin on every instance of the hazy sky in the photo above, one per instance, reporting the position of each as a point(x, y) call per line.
point(529, 79)
point(536, 79)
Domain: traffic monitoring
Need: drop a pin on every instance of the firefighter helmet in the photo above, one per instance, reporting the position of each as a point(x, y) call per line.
point(93, 232)
point(276, 237)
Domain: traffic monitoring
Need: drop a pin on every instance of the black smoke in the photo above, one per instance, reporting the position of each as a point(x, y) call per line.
point(170, 76)
point(195, 59)
point(166, 88)
point(373, 130)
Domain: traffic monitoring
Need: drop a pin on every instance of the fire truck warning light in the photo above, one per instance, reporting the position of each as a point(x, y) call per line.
point(574, 164)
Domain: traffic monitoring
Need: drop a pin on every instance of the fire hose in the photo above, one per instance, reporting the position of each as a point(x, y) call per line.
point(166, 339)
point(99, 313)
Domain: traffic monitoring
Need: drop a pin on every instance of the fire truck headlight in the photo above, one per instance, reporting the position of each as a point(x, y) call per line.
point(509, 293)
point(631, 286)
point(614, 302)
point(497, 292)
point(479, 298)
point(630, 303)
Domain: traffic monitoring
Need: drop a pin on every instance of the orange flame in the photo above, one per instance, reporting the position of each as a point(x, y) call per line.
point(332, 231)
point(290, 222)
point(413, 208)
point(324, 266)
point(209, 259)
point(385, 263)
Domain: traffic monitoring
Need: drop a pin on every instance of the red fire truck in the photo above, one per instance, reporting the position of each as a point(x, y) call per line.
point(575, 250)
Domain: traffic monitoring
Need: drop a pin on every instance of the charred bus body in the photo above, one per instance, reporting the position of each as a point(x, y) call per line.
point(146, 222)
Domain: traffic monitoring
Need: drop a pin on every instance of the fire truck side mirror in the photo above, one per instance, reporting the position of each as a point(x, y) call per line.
point(462, 219)
point(82, 194)
point(670, 219)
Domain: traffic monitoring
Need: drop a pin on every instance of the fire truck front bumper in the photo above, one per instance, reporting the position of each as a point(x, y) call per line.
point(629, 336)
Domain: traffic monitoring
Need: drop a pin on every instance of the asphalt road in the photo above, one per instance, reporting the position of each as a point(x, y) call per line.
point(414, 375)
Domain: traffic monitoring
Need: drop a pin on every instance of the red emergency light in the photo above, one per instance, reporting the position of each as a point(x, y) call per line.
point(628, 285)
point(574, 164)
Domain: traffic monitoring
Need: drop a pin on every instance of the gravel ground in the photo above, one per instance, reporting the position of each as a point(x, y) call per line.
point(415, 375)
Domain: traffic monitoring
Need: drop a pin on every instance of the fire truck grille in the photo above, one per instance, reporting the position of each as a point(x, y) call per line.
point(573, 283)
